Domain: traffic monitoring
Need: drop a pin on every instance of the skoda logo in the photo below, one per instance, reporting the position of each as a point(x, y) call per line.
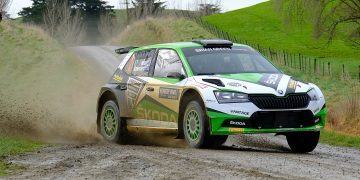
point(280, 92)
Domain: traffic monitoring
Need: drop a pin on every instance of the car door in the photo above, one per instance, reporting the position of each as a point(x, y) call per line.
point(138, 68)
point(164, 88)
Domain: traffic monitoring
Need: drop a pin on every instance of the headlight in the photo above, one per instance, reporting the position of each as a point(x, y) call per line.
point(313, 95)
point(231, 97)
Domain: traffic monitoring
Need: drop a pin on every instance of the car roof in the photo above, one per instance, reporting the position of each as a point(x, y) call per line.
point(176, 45)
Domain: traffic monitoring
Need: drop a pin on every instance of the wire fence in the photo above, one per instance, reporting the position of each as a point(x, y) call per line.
point(295, 61)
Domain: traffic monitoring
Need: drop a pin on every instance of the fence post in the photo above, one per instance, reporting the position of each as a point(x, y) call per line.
point(329, 68)
point(300, 64)
point(343, 72)
point(284, 58)
point(359, 73)
point(323, 73)
point(314, 66)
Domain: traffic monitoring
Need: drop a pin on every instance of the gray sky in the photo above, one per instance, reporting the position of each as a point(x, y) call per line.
point(227, 5)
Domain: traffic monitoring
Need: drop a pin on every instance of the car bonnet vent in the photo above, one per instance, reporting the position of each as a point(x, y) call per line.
point(214, 43)
point(217, 82)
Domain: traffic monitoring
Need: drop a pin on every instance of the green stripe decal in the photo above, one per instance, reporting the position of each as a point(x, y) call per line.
point(250, 77)
point(168, 80)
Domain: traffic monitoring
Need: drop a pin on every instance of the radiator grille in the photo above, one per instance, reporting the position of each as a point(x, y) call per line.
point(292, 101)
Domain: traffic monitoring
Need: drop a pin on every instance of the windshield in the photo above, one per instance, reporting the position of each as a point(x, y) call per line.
point(209, 61)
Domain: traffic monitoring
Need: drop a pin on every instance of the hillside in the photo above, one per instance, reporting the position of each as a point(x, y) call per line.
point(262, 24)
point(160, 30)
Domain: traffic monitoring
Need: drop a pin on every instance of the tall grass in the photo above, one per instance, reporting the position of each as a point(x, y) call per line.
point(160, 30)
point(344, 115)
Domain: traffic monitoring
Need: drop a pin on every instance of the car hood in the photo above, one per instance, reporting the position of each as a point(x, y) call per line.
point(255, 83)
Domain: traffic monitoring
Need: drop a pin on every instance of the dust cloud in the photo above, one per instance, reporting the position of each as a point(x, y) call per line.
point(53, 102)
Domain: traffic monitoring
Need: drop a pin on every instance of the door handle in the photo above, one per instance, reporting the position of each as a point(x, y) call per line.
point(122, 87)
point(150, 89)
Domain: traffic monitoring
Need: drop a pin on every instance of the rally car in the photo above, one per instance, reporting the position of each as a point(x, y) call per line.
point(205, 90)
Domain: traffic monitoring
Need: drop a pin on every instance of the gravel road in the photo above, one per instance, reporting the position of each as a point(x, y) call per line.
point(160, 157)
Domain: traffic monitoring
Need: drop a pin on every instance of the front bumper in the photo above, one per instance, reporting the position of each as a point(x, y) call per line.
point(220, 124)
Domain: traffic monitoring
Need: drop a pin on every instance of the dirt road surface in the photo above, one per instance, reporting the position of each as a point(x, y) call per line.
point(160, 157)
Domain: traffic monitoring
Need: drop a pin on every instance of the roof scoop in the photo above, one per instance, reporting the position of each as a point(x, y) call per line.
point(214, 43)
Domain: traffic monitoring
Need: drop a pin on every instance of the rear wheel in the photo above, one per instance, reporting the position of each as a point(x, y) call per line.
point(111, 126)
point(303, 142)
point(196, 128)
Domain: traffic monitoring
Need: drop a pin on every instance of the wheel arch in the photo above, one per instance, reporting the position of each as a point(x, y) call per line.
point(105, 96)
point(187, 95)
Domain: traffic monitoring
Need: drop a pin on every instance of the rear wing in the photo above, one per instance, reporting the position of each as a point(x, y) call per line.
point(124, 50)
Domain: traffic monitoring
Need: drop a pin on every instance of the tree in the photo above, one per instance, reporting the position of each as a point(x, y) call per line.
point(89, 11)
point(4, 4)
point(108, 26)
point(144, 8)
point(329, 17)
point(208, 9)
point(33, 14)
point(62, 23)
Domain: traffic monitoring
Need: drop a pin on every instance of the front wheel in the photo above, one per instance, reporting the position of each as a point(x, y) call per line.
point(303, 142)
point(197, 129)
point(111, 126)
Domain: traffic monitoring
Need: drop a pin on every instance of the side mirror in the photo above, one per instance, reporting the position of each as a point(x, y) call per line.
point(121, 51)
point(124, 50)
point(176, 75)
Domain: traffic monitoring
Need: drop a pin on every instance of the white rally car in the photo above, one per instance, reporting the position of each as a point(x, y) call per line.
point(204, 91)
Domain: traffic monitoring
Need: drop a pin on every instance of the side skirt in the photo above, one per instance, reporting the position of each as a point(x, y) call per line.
point(151, 126)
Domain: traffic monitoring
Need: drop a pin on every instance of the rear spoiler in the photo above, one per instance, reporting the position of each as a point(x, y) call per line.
point(124, 50)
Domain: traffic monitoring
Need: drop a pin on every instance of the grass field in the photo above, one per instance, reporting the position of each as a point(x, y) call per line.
point(11, 146)
point(262, 24)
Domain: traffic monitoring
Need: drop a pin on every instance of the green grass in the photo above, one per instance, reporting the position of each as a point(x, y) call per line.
point(9, 147)
point(338, 139)
point(262, 24)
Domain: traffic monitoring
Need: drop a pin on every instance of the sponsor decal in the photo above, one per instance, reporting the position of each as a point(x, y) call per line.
point(211, 49)
point(236, 130)
point(239, 112)
point(117, 78)
point(237, 123)
point(291, 86)
point(210, 100)
point(169, 93)
point(271, 80)
point(317, 120)
point(133, 91)
point(236, 84)
point(151, 114)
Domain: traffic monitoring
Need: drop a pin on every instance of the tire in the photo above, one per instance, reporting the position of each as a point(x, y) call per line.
point(196, 128)
point(112, 128)
point(303, 142)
